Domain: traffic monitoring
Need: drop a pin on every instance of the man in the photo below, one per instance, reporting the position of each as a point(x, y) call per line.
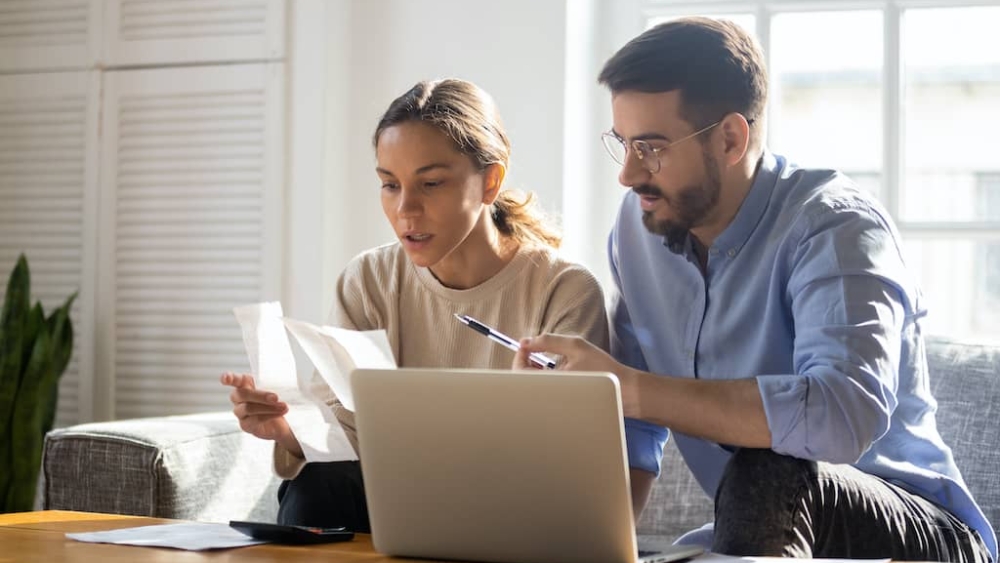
point(765, 317)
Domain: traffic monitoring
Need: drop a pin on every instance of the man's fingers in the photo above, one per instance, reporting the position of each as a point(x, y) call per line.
point(551, 343)
point(521, 360)
point(559, 347)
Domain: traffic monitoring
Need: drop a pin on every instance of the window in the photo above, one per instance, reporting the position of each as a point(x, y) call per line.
point(823, 98)
point(987, 278)
point(903, 97)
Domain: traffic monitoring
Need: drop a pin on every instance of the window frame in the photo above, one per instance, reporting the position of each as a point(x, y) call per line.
point(892, 87)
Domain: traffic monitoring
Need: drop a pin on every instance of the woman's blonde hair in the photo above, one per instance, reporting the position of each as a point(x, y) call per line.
point(468, 116)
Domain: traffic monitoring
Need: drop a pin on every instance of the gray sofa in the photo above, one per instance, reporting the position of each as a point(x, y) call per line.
point(195, 467)
point(202, 467)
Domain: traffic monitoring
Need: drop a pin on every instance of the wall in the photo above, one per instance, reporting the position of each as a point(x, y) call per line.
point(591, 192)
point(539, 60)
point(516, 53)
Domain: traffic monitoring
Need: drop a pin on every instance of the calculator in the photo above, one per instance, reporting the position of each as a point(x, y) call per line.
point(279, 533)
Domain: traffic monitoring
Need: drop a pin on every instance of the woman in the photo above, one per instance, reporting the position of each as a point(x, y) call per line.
point(465, 246)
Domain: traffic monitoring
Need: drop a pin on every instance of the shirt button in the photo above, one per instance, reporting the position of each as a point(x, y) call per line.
point(731, 253)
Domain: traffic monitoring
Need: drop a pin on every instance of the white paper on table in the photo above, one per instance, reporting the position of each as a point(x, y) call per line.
point(273, 367)
point(336, 352)
point(192, 536)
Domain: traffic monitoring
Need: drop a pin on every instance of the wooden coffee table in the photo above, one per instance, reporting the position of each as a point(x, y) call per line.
point(41, 537)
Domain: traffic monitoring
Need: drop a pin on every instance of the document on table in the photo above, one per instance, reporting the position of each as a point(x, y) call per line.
point(273, 367)
point(191, 536)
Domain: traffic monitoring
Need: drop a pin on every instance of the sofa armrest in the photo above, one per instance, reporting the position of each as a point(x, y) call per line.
point(195, 467)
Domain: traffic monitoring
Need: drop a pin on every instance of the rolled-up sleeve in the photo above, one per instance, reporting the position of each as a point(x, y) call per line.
point(848, 315)
point(644, 442)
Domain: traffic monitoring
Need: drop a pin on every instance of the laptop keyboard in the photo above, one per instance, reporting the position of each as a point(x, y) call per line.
point(650, 556)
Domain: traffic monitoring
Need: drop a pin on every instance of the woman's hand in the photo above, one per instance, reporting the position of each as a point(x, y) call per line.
point(579, 355)
point(261, 413)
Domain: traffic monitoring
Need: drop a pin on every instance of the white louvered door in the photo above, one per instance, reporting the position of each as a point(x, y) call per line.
point(49, 34)
point(192, 196)
point(141, 162)
point(185, 31)
point(48, 195)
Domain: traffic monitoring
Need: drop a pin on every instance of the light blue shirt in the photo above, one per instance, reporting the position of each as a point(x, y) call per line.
point(807, 291)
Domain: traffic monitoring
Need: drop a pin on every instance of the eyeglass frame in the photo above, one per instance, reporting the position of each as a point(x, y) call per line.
point(643, 149)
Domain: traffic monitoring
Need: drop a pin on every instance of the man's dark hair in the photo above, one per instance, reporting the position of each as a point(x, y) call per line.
point(717, 66)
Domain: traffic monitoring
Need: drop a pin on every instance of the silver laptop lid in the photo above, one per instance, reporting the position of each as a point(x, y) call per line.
point(491, 465)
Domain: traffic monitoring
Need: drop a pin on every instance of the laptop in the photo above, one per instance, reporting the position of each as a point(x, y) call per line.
point(497, 466)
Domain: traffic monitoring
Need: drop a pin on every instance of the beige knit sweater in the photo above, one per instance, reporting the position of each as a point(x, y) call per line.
point(535, 292)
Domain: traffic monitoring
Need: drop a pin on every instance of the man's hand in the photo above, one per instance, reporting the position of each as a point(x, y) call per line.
point(723, 411)
point(260, 413)
point(579, 355)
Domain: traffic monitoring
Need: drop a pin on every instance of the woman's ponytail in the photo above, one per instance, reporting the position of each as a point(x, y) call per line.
point(517, 215)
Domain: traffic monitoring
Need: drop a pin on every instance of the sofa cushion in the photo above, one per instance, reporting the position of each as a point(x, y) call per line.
point(676, 504)
point(196, 467)
point(965, 381)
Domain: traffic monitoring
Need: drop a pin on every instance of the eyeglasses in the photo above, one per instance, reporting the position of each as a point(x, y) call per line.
point(649, 156)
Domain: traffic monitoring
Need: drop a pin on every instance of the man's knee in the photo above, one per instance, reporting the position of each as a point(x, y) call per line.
point(761, 469)
point(757, 499)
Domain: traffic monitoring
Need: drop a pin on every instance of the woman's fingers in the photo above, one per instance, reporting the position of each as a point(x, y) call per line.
point(239, 380)
point(243, 394)
point(258, 411)
point(254, 408)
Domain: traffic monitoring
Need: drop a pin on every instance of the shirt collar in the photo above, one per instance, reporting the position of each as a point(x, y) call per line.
point(751, 210)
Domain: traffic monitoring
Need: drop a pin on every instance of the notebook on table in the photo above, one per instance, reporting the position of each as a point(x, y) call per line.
point(499, 466)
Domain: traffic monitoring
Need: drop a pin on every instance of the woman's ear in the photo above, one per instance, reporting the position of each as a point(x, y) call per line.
point(493, 177)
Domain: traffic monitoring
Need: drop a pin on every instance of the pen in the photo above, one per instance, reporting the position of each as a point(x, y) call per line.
point(502, 339)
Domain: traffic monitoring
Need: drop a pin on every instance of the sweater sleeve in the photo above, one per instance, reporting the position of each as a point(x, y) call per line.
point(576, 306)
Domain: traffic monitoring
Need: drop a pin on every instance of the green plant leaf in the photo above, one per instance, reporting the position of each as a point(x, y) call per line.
point(34, 322)
point(61, 332)
point(26, 426)
point(34, 352)
point(16, 307)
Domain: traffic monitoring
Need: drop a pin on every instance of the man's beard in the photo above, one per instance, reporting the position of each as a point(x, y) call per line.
point(690, 207)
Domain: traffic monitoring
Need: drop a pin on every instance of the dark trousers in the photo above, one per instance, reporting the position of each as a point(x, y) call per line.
point(325, 495)
point(770, 504)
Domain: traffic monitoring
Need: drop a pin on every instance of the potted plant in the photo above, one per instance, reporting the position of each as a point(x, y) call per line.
point(34, 352)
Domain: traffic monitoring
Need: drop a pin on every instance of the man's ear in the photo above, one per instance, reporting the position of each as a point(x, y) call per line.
point(735, 138)
point(493, 177)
